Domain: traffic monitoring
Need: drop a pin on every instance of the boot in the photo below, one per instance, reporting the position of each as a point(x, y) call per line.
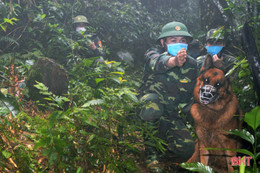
point(151, 160)
point(151, 154)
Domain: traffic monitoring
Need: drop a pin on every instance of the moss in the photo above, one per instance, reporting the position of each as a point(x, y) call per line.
point(34, 75)
point(53, 75)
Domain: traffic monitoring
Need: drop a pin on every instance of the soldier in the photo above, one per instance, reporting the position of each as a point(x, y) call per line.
point(169, 78)
point(94, 45)
point(214, 45)
point(195, 48)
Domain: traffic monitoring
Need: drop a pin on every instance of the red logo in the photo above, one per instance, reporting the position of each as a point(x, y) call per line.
point(178, 28)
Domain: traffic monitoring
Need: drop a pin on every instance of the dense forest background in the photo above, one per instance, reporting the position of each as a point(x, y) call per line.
point(92, 127)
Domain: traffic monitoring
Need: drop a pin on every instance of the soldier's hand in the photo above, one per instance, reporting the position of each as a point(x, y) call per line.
point(92, 46)
point(180, 58)
point(217, 61)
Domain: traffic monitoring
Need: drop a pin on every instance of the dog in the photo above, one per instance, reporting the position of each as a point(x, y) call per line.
point(213, 113)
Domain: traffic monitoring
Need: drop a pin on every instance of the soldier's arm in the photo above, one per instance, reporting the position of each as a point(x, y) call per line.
point(200, 60)
point(97, 46)
point(228, 65)
point(155, 61)
point(193, 77)
point(99, 52)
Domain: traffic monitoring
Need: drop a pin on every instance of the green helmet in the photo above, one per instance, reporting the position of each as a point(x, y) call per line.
point(174, 29)
point(80, 19)
point(214, 34)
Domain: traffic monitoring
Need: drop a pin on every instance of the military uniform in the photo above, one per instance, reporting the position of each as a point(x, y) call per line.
point(83, 50)
point(227, 61)
point(165, 91)
point(82, 41)
point(226, 64)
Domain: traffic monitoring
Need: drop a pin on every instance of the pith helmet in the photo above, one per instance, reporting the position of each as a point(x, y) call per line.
point(215, 34)
point(80, 19)
point(174, 29)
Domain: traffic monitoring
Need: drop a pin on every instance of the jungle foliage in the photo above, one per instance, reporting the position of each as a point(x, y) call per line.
point(94, 128)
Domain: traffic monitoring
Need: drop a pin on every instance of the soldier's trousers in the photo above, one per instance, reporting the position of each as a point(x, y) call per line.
point(171, 127)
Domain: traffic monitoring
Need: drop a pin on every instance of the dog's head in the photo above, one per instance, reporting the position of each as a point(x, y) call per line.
point(211, 84)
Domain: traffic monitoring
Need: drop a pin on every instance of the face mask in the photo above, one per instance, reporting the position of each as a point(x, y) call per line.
point(80, 29)
point(173, 49)
point(213, 50)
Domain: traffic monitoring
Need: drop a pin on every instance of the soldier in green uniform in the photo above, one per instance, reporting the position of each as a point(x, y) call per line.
point(214, 45)
point(169, 79)
point(86, 44)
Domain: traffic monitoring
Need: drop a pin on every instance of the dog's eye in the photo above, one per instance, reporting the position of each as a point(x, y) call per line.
point(206, 80)
point(218, 85)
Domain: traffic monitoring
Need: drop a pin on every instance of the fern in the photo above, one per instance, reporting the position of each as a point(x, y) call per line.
point(8, 39)
point(198, 167)
point(93, 102)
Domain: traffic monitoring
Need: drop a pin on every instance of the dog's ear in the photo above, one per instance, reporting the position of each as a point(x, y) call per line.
point(207, 63)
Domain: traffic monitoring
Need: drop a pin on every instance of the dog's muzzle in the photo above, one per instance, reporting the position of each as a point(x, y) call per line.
point(208, 94)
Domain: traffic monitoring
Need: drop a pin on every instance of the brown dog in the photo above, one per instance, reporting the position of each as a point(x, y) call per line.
point(213, 113)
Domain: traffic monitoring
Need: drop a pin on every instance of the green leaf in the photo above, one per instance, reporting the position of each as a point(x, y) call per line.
point(79, 170)
point(8, 21)
point(91, 137)
point(252, 118)
point(41, 143)
point(4, 111)
point(91, 123)
point(46, 98)
point(83, 132)
point(116, 79)
point(3, 28)
point(198, 167)
point(43, 16)
point(60, 100)
point(243, 134)
point(52, 156)
point(9, 104)
point(242, 74)
point(43, 89)
point(93, 102)
point(53, 117)
point(257, 156)
point(15, 19)
point(99, 80)
point(244, 151)
point(6, 154)
point(131, 95)
point(118, 72)
point(242, 167)
point(244, 65)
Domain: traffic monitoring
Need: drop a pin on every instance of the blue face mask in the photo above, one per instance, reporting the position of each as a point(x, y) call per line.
point(173, 49)
point(213, 50)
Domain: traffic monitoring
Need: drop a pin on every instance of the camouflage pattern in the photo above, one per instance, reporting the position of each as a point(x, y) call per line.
point(227, 62)
point(80, 19)
point(83, 50)
point(216, 34)
point(164, 92)
point(175, 29)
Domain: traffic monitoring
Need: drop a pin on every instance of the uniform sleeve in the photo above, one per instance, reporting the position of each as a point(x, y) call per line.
point(200, 60)
point(155, 61)
point(99, 51)
point(194, 74)
point(229, 62)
